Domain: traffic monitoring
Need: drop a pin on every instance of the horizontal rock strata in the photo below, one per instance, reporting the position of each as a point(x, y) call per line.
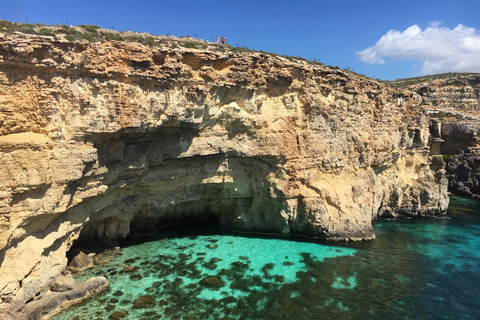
point(101, 140)
point(461, 92)
point(456, 136)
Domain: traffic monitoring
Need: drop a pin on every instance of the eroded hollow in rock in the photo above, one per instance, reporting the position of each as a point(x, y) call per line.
point(92, 240)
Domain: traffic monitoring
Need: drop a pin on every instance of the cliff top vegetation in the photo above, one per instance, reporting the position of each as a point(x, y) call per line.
point(406, 82)
point(93, 33)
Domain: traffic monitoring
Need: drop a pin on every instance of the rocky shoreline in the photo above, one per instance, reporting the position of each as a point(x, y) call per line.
point(64, 294)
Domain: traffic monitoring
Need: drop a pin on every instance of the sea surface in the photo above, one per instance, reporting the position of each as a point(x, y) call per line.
point(416, 269)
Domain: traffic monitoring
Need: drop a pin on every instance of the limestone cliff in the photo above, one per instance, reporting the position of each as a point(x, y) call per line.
point(461, 92)
point(453, 104)
point(456, 136)
point(103, 139)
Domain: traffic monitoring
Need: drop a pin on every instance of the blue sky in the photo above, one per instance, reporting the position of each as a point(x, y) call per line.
point(336, 32)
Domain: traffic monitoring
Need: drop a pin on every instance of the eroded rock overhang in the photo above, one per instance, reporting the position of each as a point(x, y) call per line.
point(100, 140)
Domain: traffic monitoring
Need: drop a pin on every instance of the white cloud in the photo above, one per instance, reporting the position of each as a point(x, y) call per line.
point(440, 49)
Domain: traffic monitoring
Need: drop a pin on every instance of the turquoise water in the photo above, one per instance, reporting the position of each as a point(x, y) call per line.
point(416, 269)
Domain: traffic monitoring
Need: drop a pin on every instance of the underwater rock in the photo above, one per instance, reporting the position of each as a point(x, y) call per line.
point(130, 269)
point(212, 264)
point(118, 293)
point(147, 301)
point(214, 282)
point(268, 267)
point(162, 302)
point(307, 259)
point(118, 315)
point(241, 284)
point(160, 266)
point(136, 277)
point(225, 272)
point(212, 246)
point(183, 256)
point(151, 314)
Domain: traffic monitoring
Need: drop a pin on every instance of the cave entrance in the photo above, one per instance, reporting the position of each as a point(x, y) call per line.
point(94, 237)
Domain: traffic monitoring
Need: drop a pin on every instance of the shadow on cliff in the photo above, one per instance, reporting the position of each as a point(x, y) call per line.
point(153, 186)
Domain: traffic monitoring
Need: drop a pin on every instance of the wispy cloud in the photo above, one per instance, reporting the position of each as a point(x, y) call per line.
point(440, 49)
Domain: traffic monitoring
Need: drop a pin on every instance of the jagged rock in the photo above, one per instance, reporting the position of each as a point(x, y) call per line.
point(140, 138)
point(62, 283)
point(454, 108)
point(80, 262)
point(51, 303)
point(463, 172)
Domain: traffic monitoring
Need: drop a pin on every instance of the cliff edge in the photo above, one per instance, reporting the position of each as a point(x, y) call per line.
point(99, 140)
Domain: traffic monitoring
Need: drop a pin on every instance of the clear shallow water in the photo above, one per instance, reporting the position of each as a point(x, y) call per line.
point(416, 269)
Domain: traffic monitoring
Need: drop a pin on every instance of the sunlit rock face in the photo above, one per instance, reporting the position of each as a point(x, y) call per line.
point(461, 92)
point(102, 140)
point(454, 106)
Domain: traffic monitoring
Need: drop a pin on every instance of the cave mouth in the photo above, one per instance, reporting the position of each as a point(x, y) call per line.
point(142, 230)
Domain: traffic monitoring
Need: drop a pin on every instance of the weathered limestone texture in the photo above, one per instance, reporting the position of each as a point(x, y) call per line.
point(100, 140)
point(454, 106)
point(461, 92)
point(457, 138)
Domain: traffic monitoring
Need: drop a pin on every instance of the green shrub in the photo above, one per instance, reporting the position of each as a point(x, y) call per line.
point(46, 32)
point(111, 36)
point(89, 28)
point(67, 30)
point(188, 44)
point(70, 37)
point(5, 26)
point(87, 36)
point(150, 42)
point(24, 28)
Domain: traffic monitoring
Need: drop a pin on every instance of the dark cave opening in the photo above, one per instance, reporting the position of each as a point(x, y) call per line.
point(142, 229)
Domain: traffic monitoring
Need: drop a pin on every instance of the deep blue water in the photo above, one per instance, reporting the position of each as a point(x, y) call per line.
point(416, 269)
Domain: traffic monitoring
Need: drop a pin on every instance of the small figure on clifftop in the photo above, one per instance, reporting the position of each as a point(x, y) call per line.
point(217, 40)
point(223, 39)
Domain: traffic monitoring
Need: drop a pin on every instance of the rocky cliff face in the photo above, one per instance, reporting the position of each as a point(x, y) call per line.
point(101, 140)
point(460, 92)
point(454, 106)
point(456, 136)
